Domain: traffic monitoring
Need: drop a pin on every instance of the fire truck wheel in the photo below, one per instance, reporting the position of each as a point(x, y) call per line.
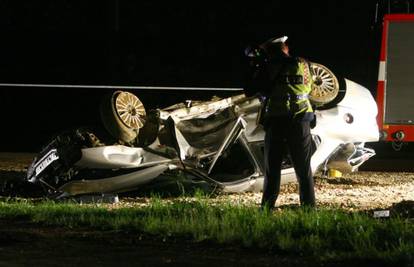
point(123, 114)
point(325, 85)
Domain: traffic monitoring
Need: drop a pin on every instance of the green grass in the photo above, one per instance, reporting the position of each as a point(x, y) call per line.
point(324, 233)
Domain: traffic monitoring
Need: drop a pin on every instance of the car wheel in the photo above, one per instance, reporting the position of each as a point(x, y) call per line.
point(123, 114)
point(325, 85)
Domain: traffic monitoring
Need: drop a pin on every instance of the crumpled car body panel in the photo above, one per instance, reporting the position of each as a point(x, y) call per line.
point(218, 141)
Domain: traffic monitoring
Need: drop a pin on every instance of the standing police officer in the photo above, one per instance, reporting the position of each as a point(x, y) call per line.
point(285, 82)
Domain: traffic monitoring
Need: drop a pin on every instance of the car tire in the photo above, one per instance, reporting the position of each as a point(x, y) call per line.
point(122, 114)
point(325, 87)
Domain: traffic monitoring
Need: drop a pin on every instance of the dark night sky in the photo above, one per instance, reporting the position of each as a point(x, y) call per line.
point(174, 42)
point(165, 43)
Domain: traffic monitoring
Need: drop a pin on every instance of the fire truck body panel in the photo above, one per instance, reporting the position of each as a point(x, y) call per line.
point(395, 92)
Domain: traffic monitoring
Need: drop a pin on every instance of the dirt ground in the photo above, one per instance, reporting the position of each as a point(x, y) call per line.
point(28, 244)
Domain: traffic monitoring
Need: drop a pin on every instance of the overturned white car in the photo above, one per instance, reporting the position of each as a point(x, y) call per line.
point(216, 143)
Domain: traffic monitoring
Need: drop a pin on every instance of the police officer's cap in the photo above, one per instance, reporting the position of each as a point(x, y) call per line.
point(278, 40)
point(275, 41)
point(273, 46)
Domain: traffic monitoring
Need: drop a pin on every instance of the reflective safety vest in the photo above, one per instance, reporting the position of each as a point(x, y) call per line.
point(291, 85)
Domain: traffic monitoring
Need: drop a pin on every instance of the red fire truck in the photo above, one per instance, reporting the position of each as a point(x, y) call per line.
point(395, 93)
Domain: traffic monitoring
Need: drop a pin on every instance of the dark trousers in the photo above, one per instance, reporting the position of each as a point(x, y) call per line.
point(282, 133)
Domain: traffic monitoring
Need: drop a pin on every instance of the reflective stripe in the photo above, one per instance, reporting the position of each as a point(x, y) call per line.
point(381, 72)
point(303, 96)
point(290, 79)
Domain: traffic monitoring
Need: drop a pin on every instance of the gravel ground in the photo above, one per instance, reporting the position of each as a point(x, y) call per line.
point(356, 191)
point(17, 162)
point(361, 190)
